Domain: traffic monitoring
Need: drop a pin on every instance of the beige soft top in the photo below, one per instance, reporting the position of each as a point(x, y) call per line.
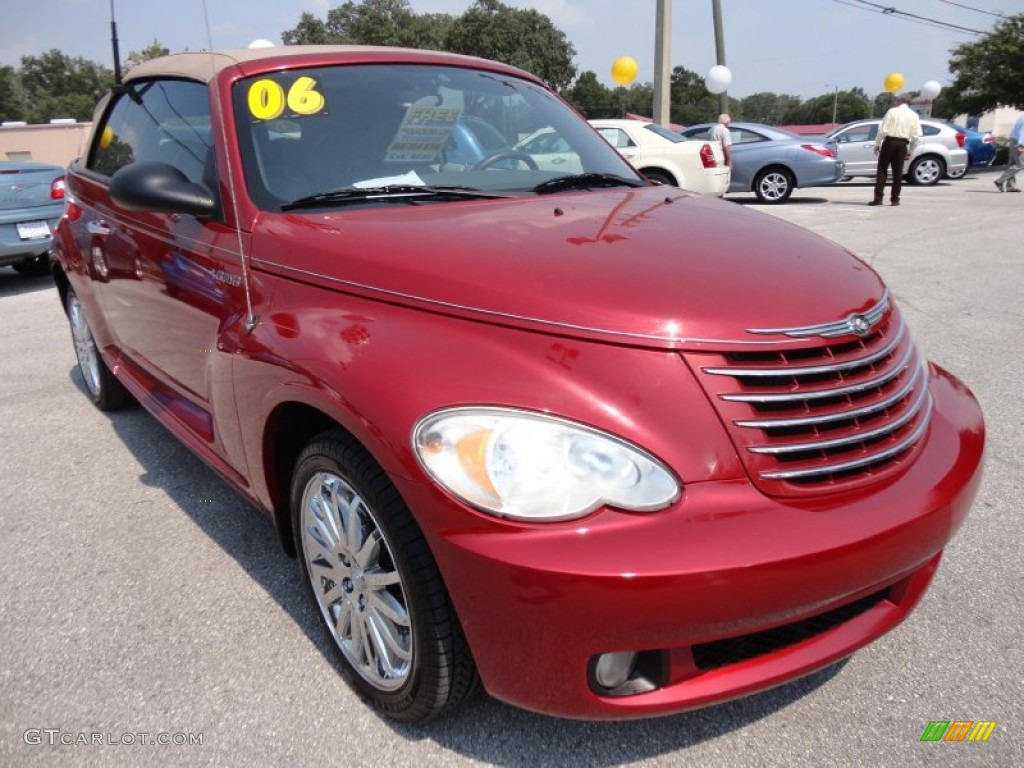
point(204, 65)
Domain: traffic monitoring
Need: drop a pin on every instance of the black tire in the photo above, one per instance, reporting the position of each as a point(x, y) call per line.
point(660, 177)
point(774, 185)
point(103, 388)
point(926, 170)
point(340, 500)
point(36, 267)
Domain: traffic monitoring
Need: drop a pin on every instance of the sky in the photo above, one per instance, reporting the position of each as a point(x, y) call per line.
point(803, 48)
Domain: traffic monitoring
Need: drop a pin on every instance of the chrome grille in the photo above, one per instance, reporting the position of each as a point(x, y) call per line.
point(831, 412)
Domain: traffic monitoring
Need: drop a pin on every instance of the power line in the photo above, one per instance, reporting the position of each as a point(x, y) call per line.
point(888, 10)
point(997, 14)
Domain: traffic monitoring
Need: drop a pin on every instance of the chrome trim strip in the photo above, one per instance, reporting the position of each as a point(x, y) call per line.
point(813, 370)
point(856, 413)
point(822, 394)
point(820, 445)
point(793, 474)
point(834, 328)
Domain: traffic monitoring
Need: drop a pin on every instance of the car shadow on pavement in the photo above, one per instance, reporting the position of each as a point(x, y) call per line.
point(13, 284)
point(483, 728)
point(791, 201)
point(498, 734)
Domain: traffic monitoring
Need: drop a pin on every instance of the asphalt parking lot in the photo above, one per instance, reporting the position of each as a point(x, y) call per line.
point(139, 595)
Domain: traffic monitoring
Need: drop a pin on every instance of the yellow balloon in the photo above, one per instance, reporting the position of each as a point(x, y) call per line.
point(893, 82)
point(106, 137)
point(624, 70)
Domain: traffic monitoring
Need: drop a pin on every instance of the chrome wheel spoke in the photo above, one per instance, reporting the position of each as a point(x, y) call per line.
point(390, 650)
point(386, 605)
point(369, 554)
point(378, 579)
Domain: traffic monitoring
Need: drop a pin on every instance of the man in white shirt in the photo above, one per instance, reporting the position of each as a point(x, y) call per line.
point(898, 134)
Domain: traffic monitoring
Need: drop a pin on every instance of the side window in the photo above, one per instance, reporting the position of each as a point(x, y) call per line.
point(616, 137)
point(165, 120)
point(928, 130)
point(740, 136)
point(701, 134)
point(858, 134)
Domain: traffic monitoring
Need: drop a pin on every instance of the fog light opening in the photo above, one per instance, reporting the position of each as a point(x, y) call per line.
point(614, 669)
point(627, 673)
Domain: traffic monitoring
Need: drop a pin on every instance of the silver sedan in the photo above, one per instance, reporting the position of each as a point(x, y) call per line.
point(772, 162)
point(940, 152)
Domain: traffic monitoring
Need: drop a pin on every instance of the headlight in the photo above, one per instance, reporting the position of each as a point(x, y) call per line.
point(528, 466)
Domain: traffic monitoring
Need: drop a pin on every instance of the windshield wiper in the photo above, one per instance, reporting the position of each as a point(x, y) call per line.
point(585, 181)
point(397, 193)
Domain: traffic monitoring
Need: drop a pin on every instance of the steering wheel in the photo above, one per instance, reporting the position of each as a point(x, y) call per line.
point(505, 154)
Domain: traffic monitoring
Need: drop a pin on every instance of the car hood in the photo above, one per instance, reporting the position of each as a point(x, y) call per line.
point(653, 266)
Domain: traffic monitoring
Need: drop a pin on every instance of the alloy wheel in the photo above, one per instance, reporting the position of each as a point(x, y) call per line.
point(85, 346)
point(355, 582)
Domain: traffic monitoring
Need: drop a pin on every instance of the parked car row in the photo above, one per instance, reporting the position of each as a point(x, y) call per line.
point(772, 162)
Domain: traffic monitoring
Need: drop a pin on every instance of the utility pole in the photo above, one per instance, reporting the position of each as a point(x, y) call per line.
point(835, 101)
point(716, 9)
point(662, 61)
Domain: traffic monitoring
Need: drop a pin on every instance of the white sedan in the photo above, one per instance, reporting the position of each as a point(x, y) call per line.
point(664, 156)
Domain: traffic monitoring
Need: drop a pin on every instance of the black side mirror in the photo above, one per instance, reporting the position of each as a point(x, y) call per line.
point(149, 185)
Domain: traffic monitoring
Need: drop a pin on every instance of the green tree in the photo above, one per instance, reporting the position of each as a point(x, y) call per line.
point(691, 102)
point(767, 107)
point(591, 98)
point(371, 22)
point(882, 103)
point(989, 72)
point(847, 105)
point(152, 51)
point(523, 38)
point(55, 85)
point(638, 99)
point(11, 105)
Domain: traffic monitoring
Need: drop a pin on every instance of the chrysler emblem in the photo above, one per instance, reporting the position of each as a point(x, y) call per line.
point(859, 325)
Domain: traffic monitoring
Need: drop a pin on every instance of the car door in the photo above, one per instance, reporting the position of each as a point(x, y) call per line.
point(856, 146)
point(168, 282)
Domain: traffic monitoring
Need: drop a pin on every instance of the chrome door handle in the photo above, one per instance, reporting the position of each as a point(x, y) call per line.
point(98, 228)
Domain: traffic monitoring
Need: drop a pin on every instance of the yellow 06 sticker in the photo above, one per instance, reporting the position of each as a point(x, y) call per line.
point(267, 98)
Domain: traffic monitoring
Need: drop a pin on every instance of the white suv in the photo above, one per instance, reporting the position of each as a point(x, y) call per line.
point(939, 153)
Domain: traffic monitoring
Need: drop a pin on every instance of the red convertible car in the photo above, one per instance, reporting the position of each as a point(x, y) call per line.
point(608, 448)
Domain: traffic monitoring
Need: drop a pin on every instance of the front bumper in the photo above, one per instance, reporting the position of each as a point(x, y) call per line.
point(539, 603)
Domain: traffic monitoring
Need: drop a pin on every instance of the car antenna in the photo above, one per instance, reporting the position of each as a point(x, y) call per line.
point(251, 320)
point(113, 43)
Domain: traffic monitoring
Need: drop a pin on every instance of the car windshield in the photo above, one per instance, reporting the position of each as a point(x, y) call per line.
point(318, 131)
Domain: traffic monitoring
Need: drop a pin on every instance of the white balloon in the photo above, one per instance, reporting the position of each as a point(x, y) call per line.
point(930, 89)
point(261, 43)
point(718, 79)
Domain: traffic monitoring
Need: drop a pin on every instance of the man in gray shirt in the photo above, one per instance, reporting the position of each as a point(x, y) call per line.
point(1007, 182)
